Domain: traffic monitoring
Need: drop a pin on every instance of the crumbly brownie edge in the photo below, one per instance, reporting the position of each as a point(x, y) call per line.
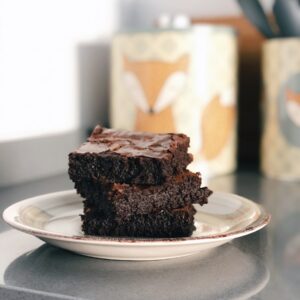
point(124, 200)
point(133, 170)
point(124, 211)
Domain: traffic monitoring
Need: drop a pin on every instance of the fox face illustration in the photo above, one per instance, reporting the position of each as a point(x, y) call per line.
point(154, 86)
point(217, 125)
point(293, 105)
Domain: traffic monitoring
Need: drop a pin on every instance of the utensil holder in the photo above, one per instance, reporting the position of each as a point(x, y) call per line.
point(280, 147)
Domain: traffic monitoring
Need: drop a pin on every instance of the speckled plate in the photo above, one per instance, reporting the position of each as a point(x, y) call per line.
point(54, 218)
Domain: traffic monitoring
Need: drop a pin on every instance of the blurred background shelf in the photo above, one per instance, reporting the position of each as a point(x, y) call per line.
point(54, 79)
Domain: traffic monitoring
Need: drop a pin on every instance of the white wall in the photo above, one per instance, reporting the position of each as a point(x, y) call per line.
point(42, 46)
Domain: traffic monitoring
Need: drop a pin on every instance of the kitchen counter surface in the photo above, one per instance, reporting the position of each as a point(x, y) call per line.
point(264, 265)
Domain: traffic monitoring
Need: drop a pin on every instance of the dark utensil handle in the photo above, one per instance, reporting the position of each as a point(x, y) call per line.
point(287, 16)
point(256, 15)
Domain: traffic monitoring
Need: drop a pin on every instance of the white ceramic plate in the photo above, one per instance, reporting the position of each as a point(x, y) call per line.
point(54, 218)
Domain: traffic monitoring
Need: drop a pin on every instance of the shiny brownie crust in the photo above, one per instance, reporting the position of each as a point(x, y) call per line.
point(129, 157)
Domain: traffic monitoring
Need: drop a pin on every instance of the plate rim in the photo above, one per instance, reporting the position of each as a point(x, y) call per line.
point(12, 211)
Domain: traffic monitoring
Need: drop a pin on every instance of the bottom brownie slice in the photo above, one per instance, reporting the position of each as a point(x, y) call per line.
point(175, 223)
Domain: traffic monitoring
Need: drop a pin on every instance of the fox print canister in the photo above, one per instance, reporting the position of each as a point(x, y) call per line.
point(280, 149)
point(180, 81)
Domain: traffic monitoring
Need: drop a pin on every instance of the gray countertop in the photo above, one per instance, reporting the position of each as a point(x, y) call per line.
point(264, 265)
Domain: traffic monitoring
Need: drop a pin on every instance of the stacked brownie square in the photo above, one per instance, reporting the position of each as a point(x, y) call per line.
point(136, 184)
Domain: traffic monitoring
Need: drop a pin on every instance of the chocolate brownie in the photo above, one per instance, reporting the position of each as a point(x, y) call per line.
point(163, 224)
point(123, 200)
point(120, 156)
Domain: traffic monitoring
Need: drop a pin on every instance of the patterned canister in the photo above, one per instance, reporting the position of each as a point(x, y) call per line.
point(280, 150)
point(180, 81)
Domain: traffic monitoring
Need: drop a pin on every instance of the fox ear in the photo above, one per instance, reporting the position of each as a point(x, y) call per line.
point(183, 62)
point(136, 91)
point(171, 88)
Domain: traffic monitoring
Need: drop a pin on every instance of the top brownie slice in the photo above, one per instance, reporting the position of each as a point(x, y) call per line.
point(121, 156)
